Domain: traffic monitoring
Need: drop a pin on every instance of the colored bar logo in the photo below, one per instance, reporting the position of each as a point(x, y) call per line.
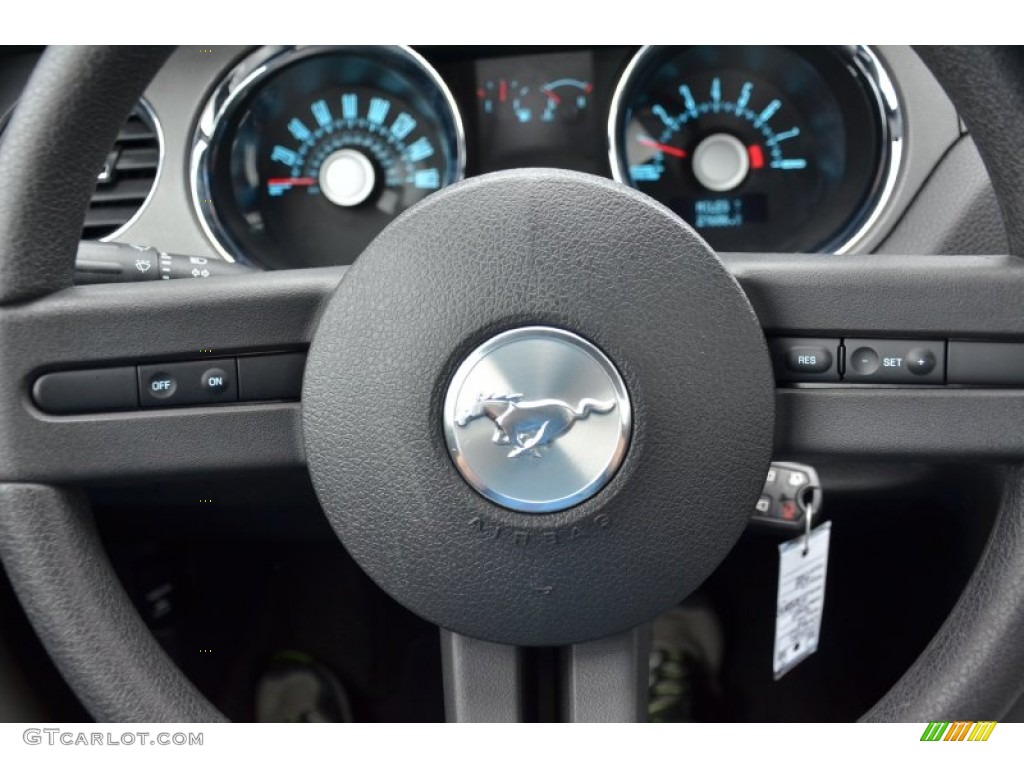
point(959, 731)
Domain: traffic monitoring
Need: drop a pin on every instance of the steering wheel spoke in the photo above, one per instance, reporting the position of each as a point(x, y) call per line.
point(601, 681)
point(102, 326)
point(889, 296)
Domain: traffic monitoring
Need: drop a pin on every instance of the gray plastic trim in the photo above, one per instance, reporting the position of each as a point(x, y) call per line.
point(606, 681)
point(98, 325)
point(482, 681)
point(889, 296)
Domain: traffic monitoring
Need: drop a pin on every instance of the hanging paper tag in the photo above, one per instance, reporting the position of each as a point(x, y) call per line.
point(803, 564)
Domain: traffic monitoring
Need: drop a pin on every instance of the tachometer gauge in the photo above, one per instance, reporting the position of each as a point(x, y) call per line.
point(303, 155)
point(759, 148)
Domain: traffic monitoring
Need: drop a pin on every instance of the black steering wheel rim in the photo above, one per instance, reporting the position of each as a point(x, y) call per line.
point(972, 669)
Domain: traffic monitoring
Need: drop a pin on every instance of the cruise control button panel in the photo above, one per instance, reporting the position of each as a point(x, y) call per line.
point(198, 382)
point(895, 361)
point(271, 376)
point(859, 361)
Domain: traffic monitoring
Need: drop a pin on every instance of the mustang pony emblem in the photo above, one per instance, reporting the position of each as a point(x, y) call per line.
point(530, 425)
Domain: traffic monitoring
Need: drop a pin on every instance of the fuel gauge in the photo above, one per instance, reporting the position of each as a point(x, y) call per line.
point(502, 96)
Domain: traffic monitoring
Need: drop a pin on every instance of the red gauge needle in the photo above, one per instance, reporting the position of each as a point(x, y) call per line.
point(292, 181)
point(552, 95)
point(668, 149)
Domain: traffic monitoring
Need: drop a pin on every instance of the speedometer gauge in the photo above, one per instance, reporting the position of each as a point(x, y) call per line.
point(760, 148)
point(304, 155)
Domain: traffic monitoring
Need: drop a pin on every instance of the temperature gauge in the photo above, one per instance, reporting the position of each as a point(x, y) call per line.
point(565, 99)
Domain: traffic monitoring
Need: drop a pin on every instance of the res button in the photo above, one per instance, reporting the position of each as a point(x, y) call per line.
point(805, 359)
point(808, 359)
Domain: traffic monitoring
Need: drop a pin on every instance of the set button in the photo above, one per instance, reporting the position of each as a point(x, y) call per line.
point(894, 361)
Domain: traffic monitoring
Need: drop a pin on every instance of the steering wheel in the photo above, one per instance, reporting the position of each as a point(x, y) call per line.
point(534, 251)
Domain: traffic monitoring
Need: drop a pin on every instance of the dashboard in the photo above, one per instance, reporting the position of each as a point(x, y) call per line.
point(299, 156)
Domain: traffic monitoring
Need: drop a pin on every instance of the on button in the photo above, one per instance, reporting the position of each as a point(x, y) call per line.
point(214, 380)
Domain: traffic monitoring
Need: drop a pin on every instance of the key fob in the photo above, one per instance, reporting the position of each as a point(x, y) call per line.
point(787, 493)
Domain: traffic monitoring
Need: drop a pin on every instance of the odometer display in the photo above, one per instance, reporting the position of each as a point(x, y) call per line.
point(760, 148)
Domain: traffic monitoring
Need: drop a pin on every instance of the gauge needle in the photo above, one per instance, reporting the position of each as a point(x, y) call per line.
point(668, 149)
point(292, 181)
point(552, 95)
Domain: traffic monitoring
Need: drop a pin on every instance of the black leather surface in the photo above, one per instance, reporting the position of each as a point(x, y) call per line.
point(54, 559)
point(53, 148)
point(972, 670)
point(538, 247)
point(986, 84)
point(956, 211)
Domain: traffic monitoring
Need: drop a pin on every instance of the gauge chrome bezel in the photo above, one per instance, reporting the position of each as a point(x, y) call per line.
point(242, 79)
point(150, 113)
point(873, 76)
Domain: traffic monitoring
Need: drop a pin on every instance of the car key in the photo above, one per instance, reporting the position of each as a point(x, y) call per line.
point(789, 489)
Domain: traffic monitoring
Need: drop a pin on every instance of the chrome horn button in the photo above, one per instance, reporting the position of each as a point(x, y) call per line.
point(537, 419)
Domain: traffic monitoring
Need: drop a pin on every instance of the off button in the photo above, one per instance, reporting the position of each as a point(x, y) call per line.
point(161, 385)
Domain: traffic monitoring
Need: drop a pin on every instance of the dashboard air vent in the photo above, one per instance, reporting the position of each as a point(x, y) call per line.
point(127, 178)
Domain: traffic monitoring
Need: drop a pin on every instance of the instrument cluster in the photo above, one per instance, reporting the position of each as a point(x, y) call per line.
point(302, 155)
